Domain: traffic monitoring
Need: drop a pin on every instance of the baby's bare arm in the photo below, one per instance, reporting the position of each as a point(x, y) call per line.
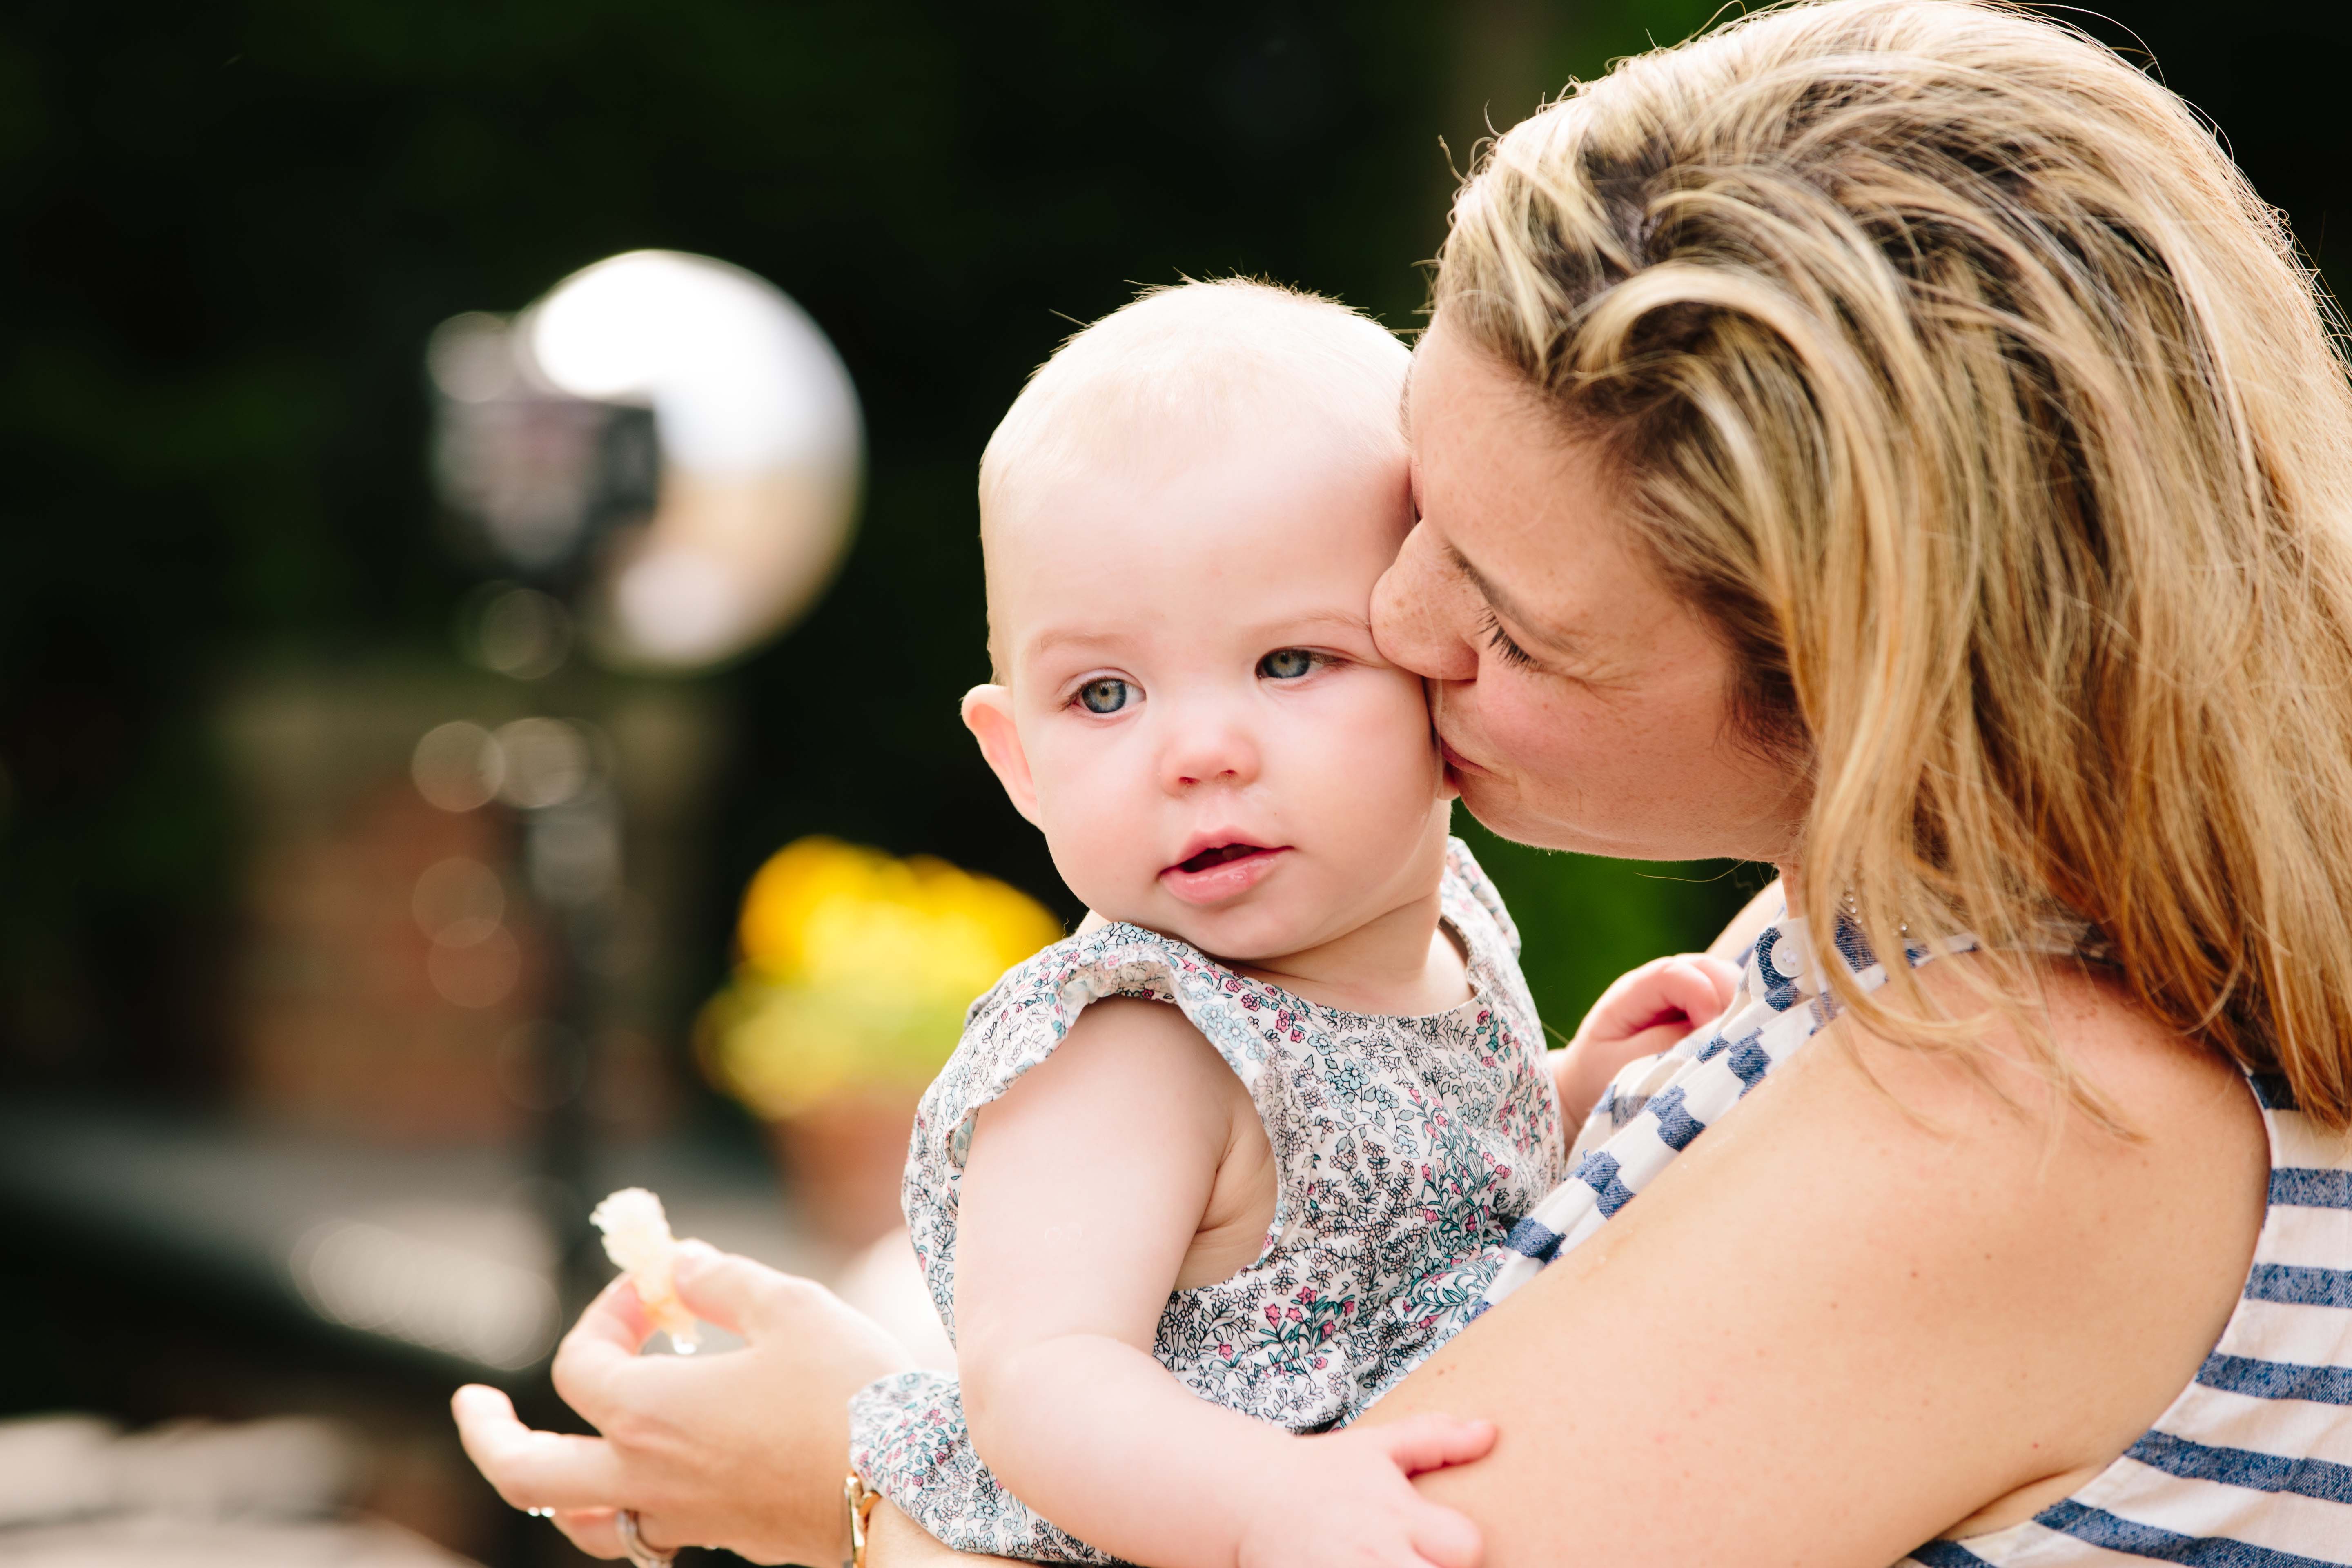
point(1083, 1189)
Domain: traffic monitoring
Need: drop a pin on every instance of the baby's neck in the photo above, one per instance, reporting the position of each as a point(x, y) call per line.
point(1403, 963)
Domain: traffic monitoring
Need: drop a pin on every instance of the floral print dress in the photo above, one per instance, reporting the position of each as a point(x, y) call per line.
point(1405, 1150)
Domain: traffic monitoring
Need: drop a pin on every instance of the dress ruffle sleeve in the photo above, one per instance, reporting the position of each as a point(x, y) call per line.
point(908, 1439)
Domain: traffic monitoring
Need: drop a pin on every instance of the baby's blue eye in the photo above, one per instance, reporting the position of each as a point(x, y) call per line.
point(1286, 664)
point(1108, 695)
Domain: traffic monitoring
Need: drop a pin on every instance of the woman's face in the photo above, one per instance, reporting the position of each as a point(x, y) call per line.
point(1581, 703)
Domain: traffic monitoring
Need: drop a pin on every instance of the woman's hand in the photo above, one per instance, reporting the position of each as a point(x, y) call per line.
point(744, 1449)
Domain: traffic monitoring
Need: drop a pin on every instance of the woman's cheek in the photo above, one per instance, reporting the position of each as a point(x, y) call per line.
point(1540, 726)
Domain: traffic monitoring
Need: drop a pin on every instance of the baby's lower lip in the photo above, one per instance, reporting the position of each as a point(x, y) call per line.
point(1225, 878)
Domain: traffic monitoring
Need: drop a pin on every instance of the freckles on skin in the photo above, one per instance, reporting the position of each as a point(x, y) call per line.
point(1613, 734)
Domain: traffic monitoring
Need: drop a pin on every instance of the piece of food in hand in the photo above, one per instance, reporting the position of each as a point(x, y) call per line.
point(637, 1239)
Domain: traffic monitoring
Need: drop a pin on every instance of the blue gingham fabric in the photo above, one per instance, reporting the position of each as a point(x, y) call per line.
point(1655, 1107)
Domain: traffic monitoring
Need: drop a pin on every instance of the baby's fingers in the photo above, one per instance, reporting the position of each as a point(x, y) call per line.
point(1445, 1539)
point(1431, 1442)
point(1696, 986)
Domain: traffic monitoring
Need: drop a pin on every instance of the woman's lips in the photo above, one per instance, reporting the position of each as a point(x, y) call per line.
point(1454, 761)
point(1220, 872)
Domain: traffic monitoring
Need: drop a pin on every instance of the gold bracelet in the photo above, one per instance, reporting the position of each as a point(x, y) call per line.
point(859, 1499)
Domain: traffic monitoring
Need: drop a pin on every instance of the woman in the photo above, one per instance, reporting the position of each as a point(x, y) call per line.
point(1887, 438)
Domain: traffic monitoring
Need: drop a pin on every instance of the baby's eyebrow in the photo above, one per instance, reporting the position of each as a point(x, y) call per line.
point(1343, 619)
point(1057, 637)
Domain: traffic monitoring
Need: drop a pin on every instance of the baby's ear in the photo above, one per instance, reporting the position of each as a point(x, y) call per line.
point(988, 714)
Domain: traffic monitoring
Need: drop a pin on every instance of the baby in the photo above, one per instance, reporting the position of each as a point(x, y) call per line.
point(1205, 1181)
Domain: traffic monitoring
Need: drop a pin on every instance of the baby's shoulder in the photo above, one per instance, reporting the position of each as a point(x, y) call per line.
point(1051, 986)
point(1469, 898)
point(1027, 1015)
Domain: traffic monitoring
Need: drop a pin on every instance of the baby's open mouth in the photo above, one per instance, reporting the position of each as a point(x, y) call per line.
point(1219, 856)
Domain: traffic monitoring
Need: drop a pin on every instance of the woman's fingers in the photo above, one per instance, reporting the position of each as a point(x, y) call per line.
point(615, 1318)
point(1445, 1539)
point(719, 1287)
point(1433, 1442)
point(592, 1531)
point(533, 1470)
point(598, 1356)
point(606, 1338)
point(597, 1531)
point(744, 1450)
point(764, 1304)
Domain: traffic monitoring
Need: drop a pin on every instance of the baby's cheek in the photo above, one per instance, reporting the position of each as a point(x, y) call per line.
point(1390, 739)
point(1096, 846)
point(1380, 775)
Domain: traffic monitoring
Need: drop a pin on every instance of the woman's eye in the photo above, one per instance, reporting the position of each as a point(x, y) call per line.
point(1108, 695)
point(1286, 664)
point(1501, 642)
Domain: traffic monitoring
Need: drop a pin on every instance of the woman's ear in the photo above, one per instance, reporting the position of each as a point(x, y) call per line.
point(988, 714)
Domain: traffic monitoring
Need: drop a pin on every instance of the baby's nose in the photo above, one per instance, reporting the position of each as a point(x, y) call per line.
point(1208, 749)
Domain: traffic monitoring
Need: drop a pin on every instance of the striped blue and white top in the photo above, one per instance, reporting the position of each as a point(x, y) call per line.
point(2252, 1464)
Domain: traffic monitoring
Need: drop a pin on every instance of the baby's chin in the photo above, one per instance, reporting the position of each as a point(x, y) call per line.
point(1246, 932)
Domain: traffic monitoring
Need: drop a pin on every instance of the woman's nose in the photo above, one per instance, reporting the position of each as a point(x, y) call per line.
point(1414, 611)
point(1208, 747)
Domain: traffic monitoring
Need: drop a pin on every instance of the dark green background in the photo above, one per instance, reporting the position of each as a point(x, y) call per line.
point(229, 228)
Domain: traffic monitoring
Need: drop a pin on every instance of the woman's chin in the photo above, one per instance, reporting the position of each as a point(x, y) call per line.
point(1495, 808)
point(1500, 810)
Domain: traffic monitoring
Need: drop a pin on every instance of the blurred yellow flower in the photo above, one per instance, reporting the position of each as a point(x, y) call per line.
point(856, 968)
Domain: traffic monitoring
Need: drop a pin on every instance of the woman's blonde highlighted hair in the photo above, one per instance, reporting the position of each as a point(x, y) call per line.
point(1948, 364)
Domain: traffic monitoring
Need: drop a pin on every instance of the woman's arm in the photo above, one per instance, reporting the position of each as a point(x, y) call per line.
point(893, 1541)
point(1886, 1293)
point(1876, 1300)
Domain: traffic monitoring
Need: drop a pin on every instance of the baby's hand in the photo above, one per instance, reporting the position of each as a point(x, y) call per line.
point(1343, 1500)
point(1644, 1012)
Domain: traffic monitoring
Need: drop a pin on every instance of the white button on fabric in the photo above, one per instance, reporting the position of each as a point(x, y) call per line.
point(1788, 957)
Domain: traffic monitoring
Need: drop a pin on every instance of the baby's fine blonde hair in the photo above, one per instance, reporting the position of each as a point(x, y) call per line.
point(1138, 388)
point(1950, 366)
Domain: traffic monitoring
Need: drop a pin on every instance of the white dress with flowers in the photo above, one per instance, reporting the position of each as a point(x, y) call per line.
point(1406, 1149)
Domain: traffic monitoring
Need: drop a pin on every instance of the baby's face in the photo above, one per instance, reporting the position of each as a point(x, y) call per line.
point(1196, 716)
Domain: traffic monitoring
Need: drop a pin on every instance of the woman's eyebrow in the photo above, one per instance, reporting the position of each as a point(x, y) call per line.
point(1545, 631)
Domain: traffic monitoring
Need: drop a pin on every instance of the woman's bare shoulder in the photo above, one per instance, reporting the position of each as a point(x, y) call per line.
point(1894, 1289)
point(2161, 1084)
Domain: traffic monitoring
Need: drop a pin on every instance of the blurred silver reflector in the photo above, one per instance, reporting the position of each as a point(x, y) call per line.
point(738, 519)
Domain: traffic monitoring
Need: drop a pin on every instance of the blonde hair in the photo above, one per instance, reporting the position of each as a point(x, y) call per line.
point(1188, 357)
point(1951, 367)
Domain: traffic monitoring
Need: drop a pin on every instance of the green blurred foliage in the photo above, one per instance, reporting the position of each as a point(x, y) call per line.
point(231, 224)
point(1584, 920)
